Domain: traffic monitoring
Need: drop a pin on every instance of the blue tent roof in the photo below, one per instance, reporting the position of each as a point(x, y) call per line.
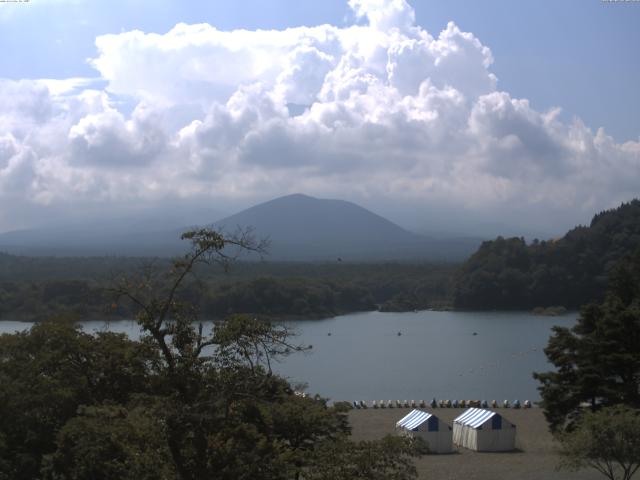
point(474, 417)
point(414, 419)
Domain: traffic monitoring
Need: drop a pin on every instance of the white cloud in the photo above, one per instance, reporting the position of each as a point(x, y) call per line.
point(109, 139)
point(24, 103)
point(16, 166)
point(385, 15)
point(386, 110)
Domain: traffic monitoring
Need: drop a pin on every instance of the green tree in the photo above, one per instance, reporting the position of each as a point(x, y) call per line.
point(226, 414)
point(216, 384)
point(108, 442)
point(607, 440)
point(598, 360)
point(569, 271)
point(47, 373)
point(386, 459)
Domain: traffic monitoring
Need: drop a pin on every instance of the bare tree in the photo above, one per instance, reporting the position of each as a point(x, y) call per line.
point(155, 295)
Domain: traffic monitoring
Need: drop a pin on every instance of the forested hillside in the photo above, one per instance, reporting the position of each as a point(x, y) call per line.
point(570, 271)
point(38, 288)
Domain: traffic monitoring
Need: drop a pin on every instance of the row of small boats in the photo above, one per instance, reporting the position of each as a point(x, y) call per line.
point(361, 404)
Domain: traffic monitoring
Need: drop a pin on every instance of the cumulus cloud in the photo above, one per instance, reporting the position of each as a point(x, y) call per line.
point(378, 110)
point(25, 103)
point(385, 15)
point(108, 138)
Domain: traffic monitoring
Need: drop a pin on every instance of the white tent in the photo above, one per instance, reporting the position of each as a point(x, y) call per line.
point(436, 433)
point(484, 431)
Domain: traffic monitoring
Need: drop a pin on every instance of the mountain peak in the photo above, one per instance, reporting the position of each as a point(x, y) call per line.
point(295, 196)
point(300, 227)
point(292, 197)
point(304, 227)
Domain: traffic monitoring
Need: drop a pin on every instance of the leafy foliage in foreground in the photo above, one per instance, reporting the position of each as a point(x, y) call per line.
point(180, 403)
point(48, 373)
point(388, 459)
point(571, 271)
point(607, 440)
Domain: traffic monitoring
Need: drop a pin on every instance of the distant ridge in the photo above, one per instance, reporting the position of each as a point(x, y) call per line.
point(300, 228)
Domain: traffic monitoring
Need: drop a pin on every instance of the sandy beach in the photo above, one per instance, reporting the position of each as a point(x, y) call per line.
point(535, 457)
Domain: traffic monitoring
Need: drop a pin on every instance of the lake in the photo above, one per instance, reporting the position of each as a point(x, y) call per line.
point(362, 357)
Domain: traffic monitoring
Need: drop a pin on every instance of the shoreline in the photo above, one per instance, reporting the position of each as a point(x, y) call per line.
point(106, 317)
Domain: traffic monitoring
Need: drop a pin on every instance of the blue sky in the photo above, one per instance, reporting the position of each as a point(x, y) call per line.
point(581, 55)
point(516, 110)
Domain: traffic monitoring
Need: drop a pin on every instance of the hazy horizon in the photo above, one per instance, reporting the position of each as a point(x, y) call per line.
point(179, 216)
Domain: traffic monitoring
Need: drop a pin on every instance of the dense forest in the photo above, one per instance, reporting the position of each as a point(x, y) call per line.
point(570, 271)
point(37, 288)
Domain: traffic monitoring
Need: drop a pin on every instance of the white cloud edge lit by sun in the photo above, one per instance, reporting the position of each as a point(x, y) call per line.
point(388, 111)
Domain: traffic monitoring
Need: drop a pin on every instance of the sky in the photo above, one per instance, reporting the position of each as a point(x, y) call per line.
point(468, 117)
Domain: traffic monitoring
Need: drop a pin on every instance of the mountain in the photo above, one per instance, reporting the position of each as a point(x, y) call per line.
point(569, 271)
point(301, 227)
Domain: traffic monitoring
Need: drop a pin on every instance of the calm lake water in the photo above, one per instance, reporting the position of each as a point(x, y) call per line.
point(361, 356)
